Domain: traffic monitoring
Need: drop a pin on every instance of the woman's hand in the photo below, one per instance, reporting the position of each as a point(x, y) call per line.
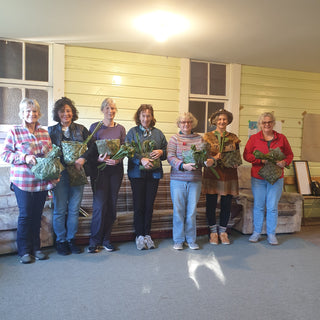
point(281, 163)
point(156, 154)
point(103, 157)
point(30, 159)
point(106, 158)
point(79, 163)
point(209, 162)
point(217, 156)
point(147, 163)
point(189, 166)
point(111, 162)
point(55, 181)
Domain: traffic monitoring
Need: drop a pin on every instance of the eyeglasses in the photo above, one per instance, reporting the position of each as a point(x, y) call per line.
point(267, 122)
point(185, 122)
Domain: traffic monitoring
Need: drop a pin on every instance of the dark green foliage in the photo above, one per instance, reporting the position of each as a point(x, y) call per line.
point(76, 177)
point(109, 146)
point(198, 157)
point(73, 150)
point(271, 172)
point(231, 159)
point(125, 150)
point(273, 155)
point(144, 150)
point(50, 167)
point(222, 140)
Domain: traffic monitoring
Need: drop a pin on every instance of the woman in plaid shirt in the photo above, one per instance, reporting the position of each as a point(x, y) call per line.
point(23, 144)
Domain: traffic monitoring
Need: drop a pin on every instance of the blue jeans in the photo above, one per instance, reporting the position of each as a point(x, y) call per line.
point(185, 196)
point(29, 222)
point(66, 200)
point(266, 196)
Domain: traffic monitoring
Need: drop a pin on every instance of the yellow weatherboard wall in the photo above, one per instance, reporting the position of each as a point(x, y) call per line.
point(89, 78)
point(155, 79)
point(288, 94)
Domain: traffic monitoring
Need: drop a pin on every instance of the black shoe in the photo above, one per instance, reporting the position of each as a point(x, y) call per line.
point(63, 248)
point(108, 246)
point(93, 249)
point(73, 247)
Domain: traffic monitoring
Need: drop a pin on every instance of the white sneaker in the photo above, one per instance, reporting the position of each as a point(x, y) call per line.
point(193, 246)
point(272, 239)
point(148, 242)
point(178, 246)
point(254, 237)
point(140, 243)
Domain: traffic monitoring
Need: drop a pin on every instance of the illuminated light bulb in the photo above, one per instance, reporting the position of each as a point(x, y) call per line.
point(116, 80)
point(161, 24)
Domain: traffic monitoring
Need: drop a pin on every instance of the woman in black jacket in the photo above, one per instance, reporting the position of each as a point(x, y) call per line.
point(67, 198)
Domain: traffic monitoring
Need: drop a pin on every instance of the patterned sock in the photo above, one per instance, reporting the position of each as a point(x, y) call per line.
point(222, 229)
point(213, 229)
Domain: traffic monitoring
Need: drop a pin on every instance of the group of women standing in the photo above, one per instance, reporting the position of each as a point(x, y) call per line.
point(27, 141)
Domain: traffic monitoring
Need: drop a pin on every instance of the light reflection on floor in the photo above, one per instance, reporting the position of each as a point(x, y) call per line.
point(209, 261)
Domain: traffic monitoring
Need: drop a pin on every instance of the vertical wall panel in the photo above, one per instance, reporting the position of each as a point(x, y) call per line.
point(93, 74)
point(288, 94)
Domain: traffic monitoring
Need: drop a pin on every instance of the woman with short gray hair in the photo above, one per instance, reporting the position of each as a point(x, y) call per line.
point(23, 144)
point(266, 194)
point(185, 182)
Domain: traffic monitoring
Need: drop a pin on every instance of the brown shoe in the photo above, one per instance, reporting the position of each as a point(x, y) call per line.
point(224, 238)
point(214, 238)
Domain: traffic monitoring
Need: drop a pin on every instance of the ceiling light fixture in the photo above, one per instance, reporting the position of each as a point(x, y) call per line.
point(161, 24)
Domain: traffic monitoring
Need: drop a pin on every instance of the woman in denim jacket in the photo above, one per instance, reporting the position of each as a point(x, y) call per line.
point(143, 175)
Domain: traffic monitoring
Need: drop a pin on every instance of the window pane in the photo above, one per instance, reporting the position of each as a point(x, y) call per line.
point(198, 109)
point(213, 107)
point(10, 59)
point(42, 97)
point(199, 78)
point(37, 62)
point(217, 79)
point(9, 105)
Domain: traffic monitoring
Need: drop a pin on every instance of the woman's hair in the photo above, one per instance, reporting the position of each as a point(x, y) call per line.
point(187, 116)
point(142, 108)
point(264, 115)
point(59, 104)
point(25, 103)
point(106, 102)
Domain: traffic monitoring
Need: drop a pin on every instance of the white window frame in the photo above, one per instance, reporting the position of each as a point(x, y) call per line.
point(55, 84)
point(231, 100)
